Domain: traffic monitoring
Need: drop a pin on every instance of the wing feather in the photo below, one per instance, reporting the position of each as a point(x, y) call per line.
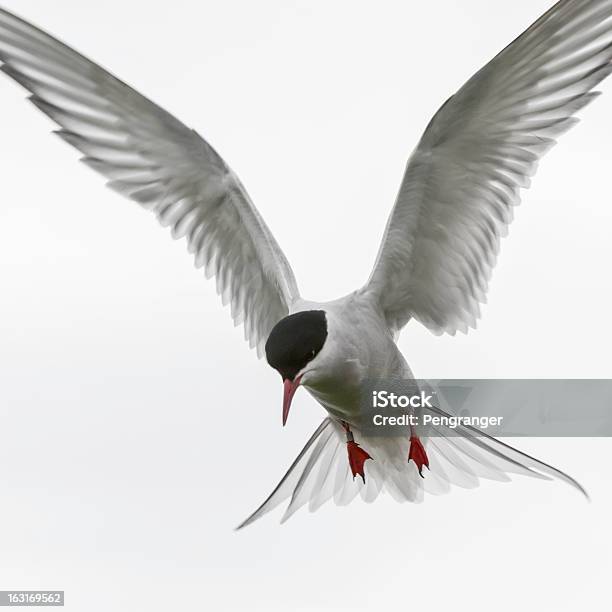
point(149, 156)
point(480, 149)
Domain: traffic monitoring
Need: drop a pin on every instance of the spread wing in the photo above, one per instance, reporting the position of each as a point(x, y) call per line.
point(149, 156)
point(478, 152)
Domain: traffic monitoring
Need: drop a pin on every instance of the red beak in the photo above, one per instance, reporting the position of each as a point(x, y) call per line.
point(290, 389)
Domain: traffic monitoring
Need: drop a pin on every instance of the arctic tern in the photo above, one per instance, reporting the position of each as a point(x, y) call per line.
point(438, 250)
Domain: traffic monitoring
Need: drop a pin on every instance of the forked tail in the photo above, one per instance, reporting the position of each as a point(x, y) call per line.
point(460, 457)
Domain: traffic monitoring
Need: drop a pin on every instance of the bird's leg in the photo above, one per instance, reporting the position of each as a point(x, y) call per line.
point(417, 452)
point(356, 455)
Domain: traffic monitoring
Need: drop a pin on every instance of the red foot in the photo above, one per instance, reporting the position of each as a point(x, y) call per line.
point(357, 457)
point(418, 455)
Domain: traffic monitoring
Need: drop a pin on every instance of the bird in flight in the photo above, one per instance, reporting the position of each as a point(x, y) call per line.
point(439, 247)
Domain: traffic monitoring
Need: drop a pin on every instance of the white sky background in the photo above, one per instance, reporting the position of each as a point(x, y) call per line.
point(138, 429)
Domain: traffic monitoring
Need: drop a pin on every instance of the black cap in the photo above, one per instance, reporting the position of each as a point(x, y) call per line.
point(296, 340)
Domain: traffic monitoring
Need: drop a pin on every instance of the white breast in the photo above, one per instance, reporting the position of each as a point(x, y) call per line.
point(359, 347)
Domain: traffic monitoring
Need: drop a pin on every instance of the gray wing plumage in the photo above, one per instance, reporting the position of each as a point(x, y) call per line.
point(479, 150)
point(149, 156)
